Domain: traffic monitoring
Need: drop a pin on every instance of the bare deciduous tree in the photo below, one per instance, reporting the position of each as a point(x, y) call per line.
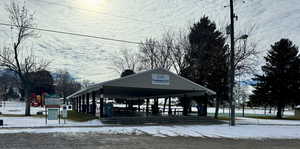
point(179, 51)
point(156, 54)
point(246, 57)
point(16, 58)
point(123, 60)
point(65, 85)
point(246, 53)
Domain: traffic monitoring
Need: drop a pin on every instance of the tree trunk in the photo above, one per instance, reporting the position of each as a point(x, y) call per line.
point(279, 111)
point(27, 100)
point(185, 110)
point(27, 109)
point(243, 109)
point(186, 105)
point(217, 107)
point(165, 105)
point(205, 106)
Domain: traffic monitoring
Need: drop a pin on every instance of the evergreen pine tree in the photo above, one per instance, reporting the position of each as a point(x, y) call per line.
point(207, 58)
point(260, 96)
point(281, 73)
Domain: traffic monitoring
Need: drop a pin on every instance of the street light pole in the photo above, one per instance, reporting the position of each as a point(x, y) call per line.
point(232, 69)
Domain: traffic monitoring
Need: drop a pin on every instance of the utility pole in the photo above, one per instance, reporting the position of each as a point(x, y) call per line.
point(232, 69)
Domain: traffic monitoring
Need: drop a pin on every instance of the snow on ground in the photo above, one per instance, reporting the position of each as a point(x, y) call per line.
point(41, 122)
point(254, 121)
point(246, 128)
point(251, 111)
point(17, 108)
point(12, 122)
point(213, 131)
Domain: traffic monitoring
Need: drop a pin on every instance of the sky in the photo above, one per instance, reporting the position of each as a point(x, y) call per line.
point(135, 20)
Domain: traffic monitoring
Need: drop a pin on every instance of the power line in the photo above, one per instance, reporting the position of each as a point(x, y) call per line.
point(103, 13)
point(78, 34)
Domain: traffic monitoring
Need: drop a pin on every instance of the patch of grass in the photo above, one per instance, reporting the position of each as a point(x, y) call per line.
point(223, 118)
point(274, 117)
point(80, 117)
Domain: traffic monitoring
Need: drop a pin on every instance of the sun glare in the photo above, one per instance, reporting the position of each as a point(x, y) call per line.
point(90, 4)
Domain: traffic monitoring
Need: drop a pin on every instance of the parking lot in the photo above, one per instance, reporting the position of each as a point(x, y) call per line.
point(100, 141)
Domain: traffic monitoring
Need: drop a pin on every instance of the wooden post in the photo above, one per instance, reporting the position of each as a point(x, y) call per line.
point(101, 106)
point(147, 107)
point(170, 109)
point(73, 102)
point(156, 110)
point(165, 105)
point(94, 103)
point(87, 103)
point(83, 104)
point(77, 104)
point(139, 106)
point(80, 107)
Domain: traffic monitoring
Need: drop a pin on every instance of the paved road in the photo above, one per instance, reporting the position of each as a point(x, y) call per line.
point(100, 141)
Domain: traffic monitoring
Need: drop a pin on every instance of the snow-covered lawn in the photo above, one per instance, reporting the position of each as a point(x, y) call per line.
point(254, 121)
point(246, 128)
point(41, 122)
point(213, 131)
point(17, 108)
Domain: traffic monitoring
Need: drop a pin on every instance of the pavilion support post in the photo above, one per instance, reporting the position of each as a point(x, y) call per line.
point(205, 105)
point(87, 103)
point(170, 109)
point(93, 103)
point(101, 106)
point(155, 110)
point(139, 105)
point(83, 104)
point(164, 109)
point(73, 101)
point(147, 107)
point(77, 104)
point(80, 107)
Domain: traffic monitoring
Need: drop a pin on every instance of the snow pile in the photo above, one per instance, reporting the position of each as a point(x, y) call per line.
point(213, 131)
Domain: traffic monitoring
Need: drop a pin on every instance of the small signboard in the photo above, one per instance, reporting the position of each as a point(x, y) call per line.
point(53, 113)
point(52, 106)
point(53, 101)
point(160, 79)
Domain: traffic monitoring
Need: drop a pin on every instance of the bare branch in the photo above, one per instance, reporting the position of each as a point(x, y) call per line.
point(18, 59)
point(124, 59)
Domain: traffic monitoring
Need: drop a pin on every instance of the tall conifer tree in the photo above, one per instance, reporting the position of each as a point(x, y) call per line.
point(208, 58)
point(282, 78)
